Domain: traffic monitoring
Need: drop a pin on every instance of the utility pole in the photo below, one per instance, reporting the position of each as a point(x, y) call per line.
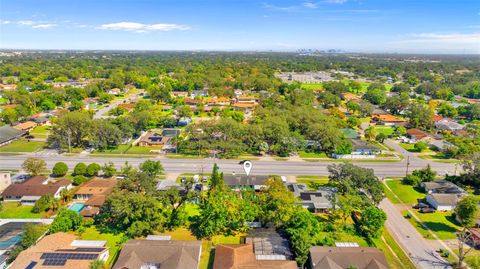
point(408, 163)
point(69, 142)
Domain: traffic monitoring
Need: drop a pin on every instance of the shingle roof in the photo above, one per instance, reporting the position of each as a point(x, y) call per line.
point(358, 257)
point(54, 243)
point(164, 254)
point(35, 187)
point(8, 133)
point(242, 257)
point(243, 180)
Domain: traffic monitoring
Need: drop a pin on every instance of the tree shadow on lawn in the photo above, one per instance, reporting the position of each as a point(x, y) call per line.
point(439, 227)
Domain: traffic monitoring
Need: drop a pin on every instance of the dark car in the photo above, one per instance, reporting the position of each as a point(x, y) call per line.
point(420, 206)
point(427, 210)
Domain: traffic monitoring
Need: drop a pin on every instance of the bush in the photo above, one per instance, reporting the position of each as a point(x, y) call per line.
point(43, 204)
point(93, 169)
point(59, 169)
point(80, 169)
point(67, 220)
point(420, 146)
point(78, 180)
point(412, 180)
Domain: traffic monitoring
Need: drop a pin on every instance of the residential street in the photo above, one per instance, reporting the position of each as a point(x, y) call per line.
point(412, 242)
point(260, 167)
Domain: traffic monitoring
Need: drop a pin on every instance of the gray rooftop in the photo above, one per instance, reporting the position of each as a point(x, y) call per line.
point(8, 133)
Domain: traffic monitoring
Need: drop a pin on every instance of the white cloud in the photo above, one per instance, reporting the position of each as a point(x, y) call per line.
point(452, 38)
point(5, 22)
point(335, 1)
point(36, 24)
point(142, 28)
point(439, 42)
point(44, 26)
point(310, 5)
point(26, 23)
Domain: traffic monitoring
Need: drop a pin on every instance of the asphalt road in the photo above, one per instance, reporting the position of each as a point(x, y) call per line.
point(260, 167)
point(411, 241)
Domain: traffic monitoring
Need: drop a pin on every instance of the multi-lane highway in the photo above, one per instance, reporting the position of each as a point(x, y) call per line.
point(260, 167)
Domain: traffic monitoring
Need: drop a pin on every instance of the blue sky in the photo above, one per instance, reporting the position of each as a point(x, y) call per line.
point(434, 26)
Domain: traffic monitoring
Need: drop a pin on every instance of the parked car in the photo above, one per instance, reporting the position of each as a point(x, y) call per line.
point(427, 210)
point(420, 206)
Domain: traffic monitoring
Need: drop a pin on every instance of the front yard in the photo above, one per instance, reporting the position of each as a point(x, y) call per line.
point(442, 224)
point(407, 193)
point(11, 210)
point(23, 145)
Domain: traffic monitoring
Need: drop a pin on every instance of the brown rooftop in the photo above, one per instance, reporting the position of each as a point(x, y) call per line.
point(346, 257)
point(97, 187)
point(165, 254)
point(242, 257)
point(35, 187)
point(54, 243)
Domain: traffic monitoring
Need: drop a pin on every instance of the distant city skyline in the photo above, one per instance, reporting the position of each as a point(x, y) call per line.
point(442, 26)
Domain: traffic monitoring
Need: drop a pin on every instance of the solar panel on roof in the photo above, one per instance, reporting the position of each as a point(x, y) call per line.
point(54, 262)
point(69, 256)
point(31, 265)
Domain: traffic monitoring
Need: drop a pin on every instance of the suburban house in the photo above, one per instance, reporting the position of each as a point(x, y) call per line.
point(441, 144)
point(192, 102)
point(40, 120)
point(238, 182)
point(361, 147)
point(158, 138)
point(179, 94)
point(442, 195)
point(318, 201)
point(7, 87)
point(245, 107)
point(388, 120)
point(168, 184)
point(10, 237)
point(61, 250)
point(441, 186)
point(241, 256)
point(29, 191)
point(347, 257)
point(263, 248)
point(474, 237)
point(417, 134)
point(94, 192)
point(159, 254)
point(25, 126)
point(448, 125)
point(443, 201)
point(5, 180)
point(350, 133)
point(8, 134)
point(127, 106)
point(184, 121)
point(218, 101)
point(199, 93)
point(348, 96)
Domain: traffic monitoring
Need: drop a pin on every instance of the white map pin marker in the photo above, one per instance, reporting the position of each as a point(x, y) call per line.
point(247, 166)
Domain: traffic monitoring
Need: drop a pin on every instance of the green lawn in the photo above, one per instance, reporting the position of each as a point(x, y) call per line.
point(3, 100)
point(23, 145)
point(312, 86)
point(304, 154)
point(407, 193)
point(442, 224)
point(387, 130)
point(142, 150)
point(40, 131)
point(114, 241)
point(11, 210)
point(396, 257)
point(118, 150)
point(439, 157)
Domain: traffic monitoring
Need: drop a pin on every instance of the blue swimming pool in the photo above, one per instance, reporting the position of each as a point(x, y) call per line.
point(77, 207)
